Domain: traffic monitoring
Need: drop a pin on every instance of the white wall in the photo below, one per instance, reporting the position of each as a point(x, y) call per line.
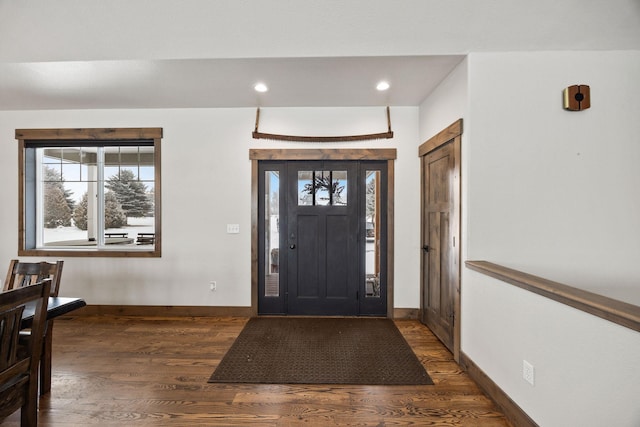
point(446, 104)
point(554, 193)
point(206, 183)
point(585, 367)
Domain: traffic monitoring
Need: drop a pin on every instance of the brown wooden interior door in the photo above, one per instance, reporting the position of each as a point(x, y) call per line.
point(439, 256)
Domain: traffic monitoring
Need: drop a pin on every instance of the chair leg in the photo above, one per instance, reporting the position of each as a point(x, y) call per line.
point(45, 361)
point(29, 411)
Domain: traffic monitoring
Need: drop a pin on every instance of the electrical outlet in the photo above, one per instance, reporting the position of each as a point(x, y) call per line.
point(528, 373)
point(213, 285)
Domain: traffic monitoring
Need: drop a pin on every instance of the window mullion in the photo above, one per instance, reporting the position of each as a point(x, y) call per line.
point(330, 189)
point(314, 187)
point(39, 196)
point(100, 198)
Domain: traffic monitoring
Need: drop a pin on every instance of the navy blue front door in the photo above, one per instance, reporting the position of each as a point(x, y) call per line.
point(322, 238)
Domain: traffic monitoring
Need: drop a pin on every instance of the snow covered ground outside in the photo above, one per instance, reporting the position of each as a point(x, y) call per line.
point(135, 226)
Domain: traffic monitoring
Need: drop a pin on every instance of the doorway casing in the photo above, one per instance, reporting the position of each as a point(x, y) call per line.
point(256, 155)
point(440, 277)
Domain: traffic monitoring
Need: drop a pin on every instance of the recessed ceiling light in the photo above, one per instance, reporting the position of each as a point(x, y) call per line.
point(382, 86)
point(261, 87)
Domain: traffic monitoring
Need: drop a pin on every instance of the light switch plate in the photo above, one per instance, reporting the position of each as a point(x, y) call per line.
point(233, 228)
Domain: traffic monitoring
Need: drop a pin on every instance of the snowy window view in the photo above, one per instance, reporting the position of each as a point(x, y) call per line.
point(272, 233)
point(91, 197)
point(372, 258)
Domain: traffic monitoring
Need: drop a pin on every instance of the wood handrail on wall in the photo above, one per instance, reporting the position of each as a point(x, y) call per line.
point(619, 312)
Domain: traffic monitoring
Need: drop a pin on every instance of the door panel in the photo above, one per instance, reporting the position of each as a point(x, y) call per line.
point(338, 251)
point(438, 291)
point(308, 266)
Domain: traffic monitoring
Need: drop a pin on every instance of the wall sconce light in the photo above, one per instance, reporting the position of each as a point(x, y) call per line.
point(576, 98)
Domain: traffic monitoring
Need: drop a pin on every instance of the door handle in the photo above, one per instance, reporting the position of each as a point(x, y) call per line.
point(425, 248)
point(292, 246)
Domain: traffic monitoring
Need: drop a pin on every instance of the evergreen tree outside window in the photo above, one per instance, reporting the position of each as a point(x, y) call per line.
point(58, 201)
point(132, 194)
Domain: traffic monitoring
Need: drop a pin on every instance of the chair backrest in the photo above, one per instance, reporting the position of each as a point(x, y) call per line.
point(19, 365)
point(27, 273)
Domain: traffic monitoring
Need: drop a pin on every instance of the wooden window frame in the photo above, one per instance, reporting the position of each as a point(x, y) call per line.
point(91, 135)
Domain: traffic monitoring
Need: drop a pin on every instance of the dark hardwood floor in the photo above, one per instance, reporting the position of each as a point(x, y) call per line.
point(133, 371)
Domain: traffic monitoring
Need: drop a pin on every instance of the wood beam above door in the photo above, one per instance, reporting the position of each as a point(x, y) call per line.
point(323, 154)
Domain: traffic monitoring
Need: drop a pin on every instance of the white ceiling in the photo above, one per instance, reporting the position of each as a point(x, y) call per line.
point(208, 83)
point(66, 54)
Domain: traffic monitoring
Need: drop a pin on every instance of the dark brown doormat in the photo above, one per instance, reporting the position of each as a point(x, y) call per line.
point(278, 350)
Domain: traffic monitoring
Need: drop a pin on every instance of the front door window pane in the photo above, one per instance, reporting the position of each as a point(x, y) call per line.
point(322, 188)
point(339, 188)
point(306, 191)
point(322, 185)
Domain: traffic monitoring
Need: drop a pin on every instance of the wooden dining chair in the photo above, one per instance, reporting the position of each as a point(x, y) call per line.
point(27, 273)
point(19, 360)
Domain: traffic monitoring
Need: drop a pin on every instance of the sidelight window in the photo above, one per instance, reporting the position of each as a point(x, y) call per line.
point(372, 232)
point(272, 233)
